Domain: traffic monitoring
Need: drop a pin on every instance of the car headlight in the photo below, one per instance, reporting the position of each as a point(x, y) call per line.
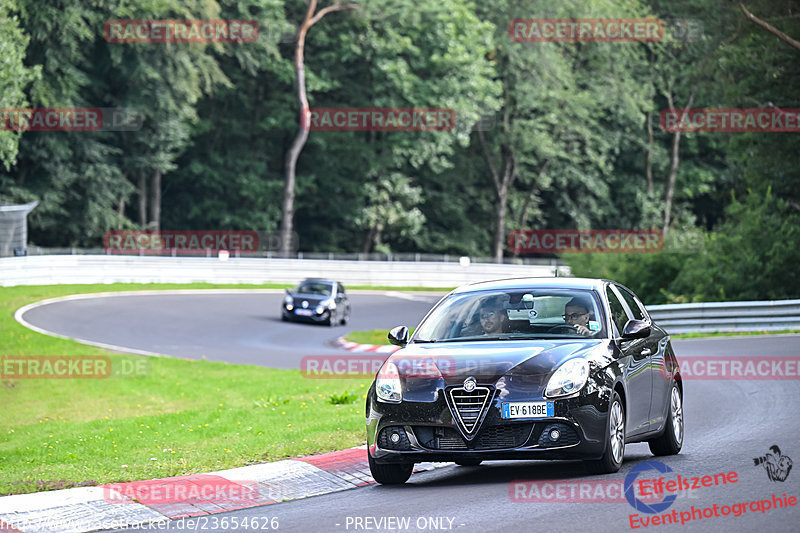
point(568, 379)
point(288, 301)
point(320, 309)
point(328, 304)
point(387, 384)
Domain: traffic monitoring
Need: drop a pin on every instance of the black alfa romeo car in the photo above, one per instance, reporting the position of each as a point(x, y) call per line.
point(533, 368)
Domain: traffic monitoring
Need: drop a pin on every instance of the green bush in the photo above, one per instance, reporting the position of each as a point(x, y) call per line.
point(752, 255)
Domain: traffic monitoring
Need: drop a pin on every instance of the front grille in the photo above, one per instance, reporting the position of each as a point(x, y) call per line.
point(469, 406)
point(506, 436)
point(449, 439)
point(490, 438)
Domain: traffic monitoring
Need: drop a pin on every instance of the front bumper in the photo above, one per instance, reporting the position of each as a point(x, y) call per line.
point(431, 433)
point(314, 317)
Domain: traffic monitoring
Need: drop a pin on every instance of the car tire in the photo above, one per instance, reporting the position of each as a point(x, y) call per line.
point(390, 474)
point(468, 462)
point(614, 452)
point(671, 440)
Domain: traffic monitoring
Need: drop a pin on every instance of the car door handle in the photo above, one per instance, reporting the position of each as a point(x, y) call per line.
point(647, 351)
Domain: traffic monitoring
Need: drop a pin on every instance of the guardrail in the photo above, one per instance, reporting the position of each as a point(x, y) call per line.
point(771, 315)
point(83, 269)
point(330, 256)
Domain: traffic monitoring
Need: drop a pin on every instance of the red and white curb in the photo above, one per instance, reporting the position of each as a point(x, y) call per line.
point(85, 509)
point(356, 347)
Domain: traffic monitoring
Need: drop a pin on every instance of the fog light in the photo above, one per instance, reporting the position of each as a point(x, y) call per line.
point(289, 307)
point(395, 438)
point(555, 434)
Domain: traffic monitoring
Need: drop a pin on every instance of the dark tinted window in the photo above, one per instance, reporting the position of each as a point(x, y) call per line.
point(314, 287)
point(632, 303)
point(618, 315)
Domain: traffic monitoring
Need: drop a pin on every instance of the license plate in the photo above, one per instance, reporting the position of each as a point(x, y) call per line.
point(304, 312)
point(527, 409)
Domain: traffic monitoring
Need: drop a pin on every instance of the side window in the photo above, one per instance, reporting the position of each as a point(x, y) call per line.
point(618, 315)
point(633, 305)
point(340, 289)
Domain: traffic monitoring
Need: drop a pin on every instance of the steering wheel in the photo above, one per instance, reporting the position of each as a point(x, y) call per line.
point(560, 327)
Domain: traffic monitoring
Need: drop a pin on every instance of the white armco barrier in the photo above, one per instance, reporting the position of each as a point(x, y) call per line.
point(771, 315)
point(83, 269)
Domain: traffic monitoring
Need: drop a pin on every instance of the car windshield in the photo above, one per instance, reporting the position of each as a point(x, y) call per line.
point(514, 314)
point(320, 288)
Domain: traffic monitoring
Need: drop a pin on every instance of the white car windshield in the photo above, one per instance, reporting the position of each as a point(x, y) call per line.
point(515, 314)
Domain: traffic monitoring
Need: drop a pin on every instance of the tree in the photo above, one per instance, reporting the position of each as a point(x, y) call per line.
point(15, 78)
point(312, 17)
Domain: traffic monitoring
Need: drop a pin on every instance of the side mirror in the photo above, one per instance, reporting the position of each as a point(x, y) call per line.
point(399, 336)
point(636, 329)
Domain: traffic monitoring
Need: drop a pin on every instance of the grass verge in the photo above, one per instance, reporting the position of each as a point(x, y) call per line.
point(180, 417)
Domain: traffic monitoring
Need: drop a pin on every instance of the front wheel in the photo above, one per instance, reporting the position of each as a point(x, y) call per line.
point(670, 442)
point(611, 461)
point(390, 474)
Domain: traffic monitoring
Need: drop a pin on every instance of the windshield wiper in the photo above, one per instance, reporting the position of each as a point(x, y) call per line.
point(478, 338)
point(424, 340)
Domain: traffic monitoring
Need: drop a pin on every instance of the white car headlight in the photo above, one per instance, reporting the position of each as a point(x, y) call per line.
point(329, 303)
point(387, 384)
point(568, 379)
point(288, 300)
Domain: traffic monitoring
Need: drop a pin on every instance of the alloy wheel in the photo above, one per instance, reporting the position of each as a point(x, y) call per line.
point(617, 432)
point(676, 410)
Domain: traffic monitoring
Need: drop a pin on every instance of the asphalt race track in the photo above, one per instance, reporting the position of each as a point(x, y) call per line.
point(728, 423)
point(236, 328)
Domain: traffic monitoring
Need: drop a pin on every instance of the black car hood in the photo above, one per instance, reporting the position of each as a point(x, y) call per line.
point(527, 364)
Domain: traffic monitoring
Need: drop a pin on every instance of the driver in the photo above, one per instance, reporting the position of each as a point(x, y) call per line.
point(576, 314)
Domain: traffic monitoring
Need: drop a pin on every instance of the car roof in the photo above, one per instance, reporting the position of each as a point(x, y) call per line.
point(542, 283)
point(318, 280)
